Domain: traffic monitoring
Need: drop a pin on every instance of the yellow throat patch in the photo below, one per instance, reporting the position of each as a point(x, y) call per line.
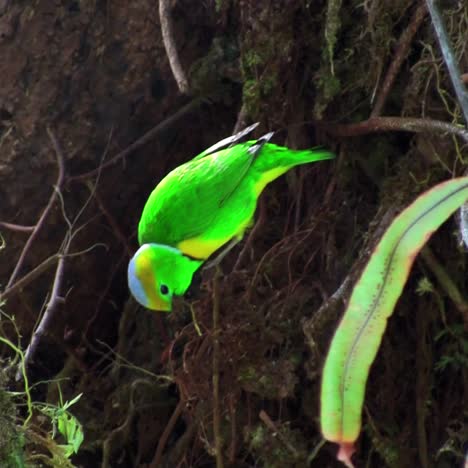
point(200, 248)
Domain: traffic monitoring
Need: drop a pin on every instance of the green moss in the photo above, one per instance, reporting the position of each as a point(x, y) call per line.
point(219, 65)
point(11, 436)
point(251, 96)
point(332, 28)
point(219, 5)
point(386, 447)
point(250, 60)
point(257, 437)
point(286, 447)
point(266, 52)
point(272, 380)
point(328, 86)
point(256, 92)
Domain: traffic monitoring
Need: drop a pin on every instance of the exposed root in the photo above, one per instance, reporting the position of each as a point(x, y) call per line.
point(402, 49)
point(167, 31)
point(395, 124)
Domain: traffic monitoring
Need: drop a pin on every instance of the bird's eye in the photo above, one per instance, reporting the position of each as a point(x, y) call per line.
point(164, 289)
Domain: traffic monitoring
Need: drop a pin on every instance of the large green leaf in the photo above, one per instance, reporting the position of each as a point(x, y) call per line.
point(358, 336)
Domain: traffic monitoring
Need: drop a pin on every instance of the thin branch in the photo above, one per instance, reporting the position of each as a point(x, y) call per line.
point(41, 268)
point(45, 213)
point(16, 227)
point(315, 451)
point(178, 451)
point(142, 141)
point(96, 182)
point(449, 57)
point(49, 314)
point(26, 279)
point(88, 249)
point(401, 53)
point(167, 32)
point(121, 434)
point(218, 442)
point(398, 124)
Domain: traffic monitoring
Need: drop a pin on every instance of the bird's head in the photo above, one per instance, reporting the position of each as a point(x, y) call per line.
point(158, 272)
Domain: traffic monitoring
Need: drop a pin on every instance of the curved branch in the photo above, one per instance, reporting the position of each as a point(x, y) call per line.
point(171, 49)
point(401, 53)
point(398, 124)
point(49, 314)
point(16, 227)
point(166, 433)
point(45, 213)
point(26, 279)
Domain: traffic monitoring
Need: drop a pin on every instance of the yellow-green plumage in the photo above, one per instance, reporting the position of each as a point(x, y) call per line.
point(204, 203)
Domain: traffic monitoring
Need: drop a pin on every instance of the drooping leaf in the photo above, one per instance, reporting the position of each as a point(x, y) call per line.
point(358, 336)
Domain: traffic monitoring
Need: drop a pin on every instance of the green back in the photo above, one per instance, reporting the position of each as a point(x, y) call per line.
point(191, 198)
point(186, 201)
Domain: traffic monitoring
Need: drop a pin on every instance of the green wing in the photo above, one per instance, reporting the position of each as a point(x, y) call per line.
point(188, 200)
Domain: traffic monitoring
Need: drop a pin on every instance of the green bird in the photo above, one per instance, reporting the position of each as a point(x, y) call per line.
point(201, 206)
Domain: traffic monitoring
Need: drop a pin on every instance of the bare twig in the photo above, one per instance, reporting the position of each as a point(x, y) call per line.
point(218, 442)
point(156, 462)
point(53, 197)
point(49, 314)
point(16, 227)
point(37, 271)
point(401, 52)
point(398, 124)
point(146, 138)
point(175, 457)
point(121, 434)
point(449, 57)
point(171, 49)
point(26, 279)
point(315, 451)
